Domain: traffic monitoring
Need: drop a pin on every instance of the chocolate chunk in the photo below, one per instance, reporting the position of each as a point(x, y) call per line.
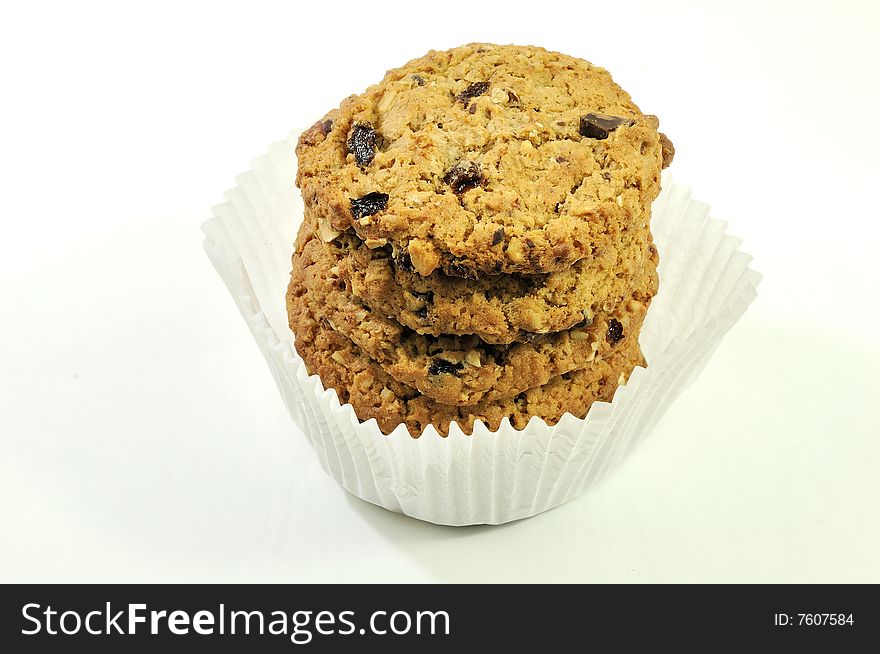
point(368, 205)
point(418, 79)
point(594, 126)
point(439, 366)
point(463, 176)
point(458, 269)
point(472, 91)
point(615, 332)
point(362, 142)
point(498, 236)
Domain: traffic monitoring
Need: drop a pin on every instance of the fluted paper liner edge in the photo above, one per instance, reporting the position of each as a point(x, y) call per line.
point(706, 284)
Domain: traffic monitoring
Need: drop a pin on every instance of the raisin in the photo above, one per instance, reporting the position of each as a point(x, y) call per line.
point(404, 261)
point(472, 91)
point(498, 236)
point(326, 126)
point(368, 205)
point(615, 332)
point(598, 127)
point(440, 366)
point(458, 269)
point(473, 108)
point(418, 79)
point(427, 297)
point(463, 176)
point(362, 142)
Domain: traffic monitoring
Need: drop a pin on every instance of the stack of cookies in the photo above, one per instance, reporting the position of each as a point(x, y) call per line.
point(476, 240)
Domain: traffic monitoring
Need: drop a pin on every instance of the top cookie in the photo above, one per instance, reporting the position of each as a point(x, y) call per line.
point(485, 159)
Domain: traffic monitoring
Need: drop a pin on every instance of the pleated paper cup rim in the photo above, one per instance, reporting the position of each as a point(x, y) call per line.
point(489, 477)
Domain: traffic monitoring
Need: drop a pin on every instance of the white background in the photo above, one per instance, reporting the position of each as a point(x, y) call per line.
point(141, 435)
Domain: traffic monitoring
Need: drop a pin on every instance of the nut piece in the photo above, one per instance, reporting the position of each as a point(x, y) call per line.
point(424, 256)
point(473, 358)
point(386, 394)
point(326, 232)
point(499, 96)
point(374, 243)
point(515, 251)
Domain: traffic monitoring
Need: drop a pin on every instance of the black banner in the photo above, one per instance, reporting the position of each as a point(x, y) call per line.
point(114, 618)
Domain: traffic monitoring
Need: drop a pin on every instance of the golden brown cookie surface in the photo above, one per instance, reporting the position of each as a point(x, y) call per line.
point(361, 382)
point(484, 160)
point(454, 370)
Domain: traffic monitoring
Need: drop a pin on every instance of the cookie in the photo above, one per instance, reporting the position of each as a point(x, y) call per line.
point(499, 309)
point(361, 382)
point(485, 159)
point(454, 370)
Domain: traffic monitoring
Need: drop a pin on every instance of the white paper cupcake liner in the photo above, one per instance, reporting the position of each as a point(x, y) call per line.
point(489, 477)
